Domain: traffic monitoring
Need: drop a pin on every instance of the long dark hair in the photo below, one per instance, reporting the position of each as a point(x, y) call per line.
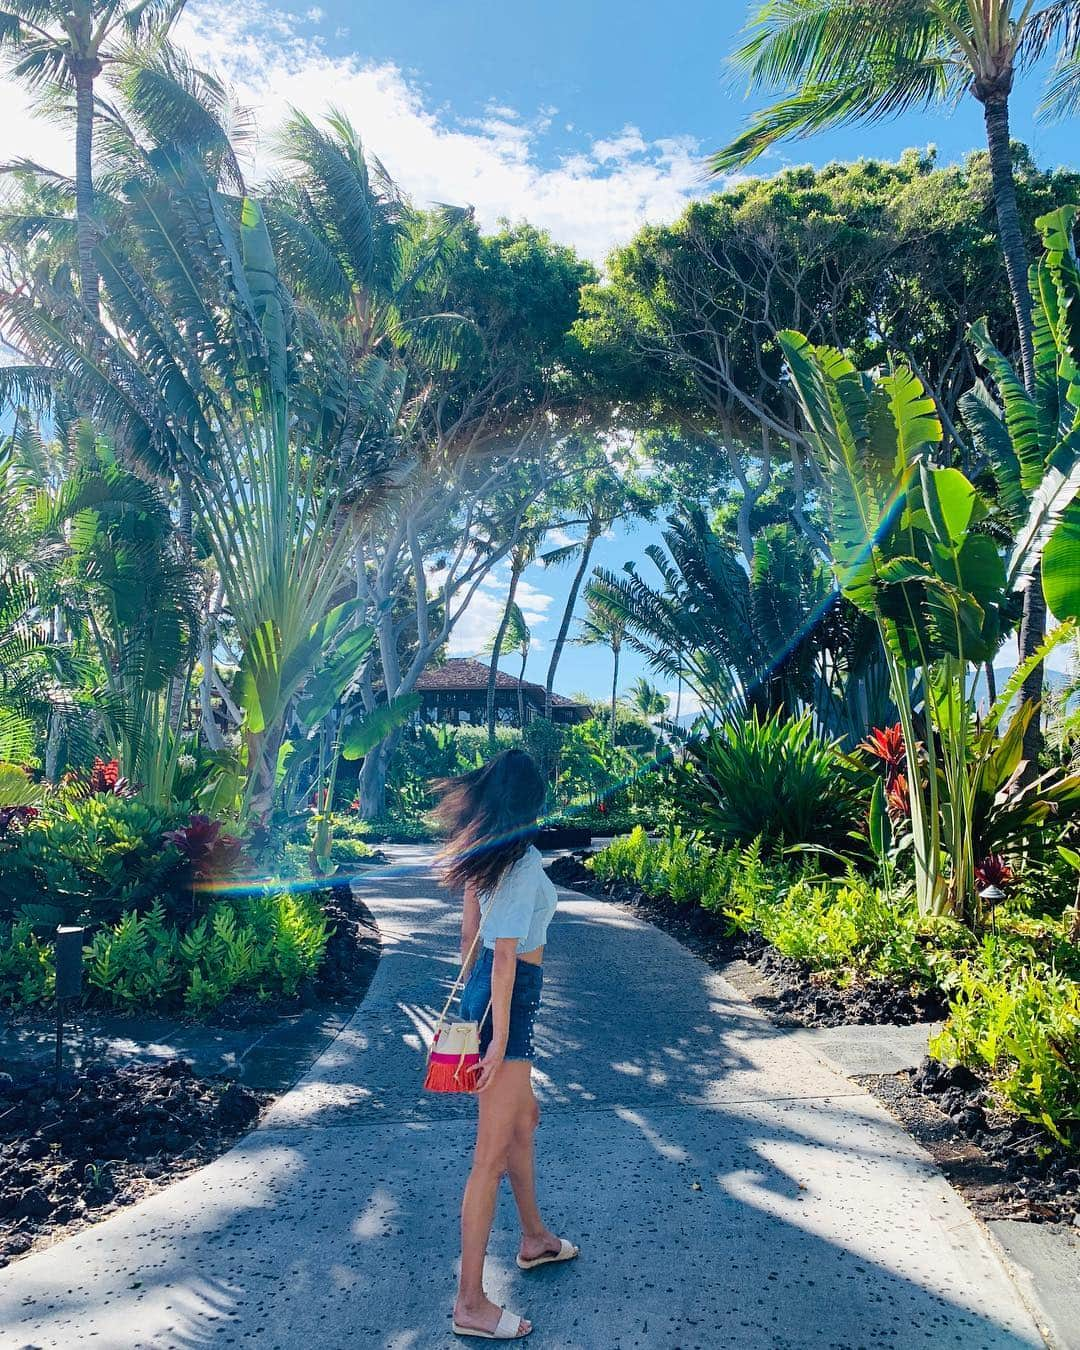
point(490, 815)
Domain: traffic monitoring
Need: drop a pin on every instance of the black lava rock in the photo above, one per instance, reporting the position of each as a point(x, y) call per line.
point(33, 1204)
point(237, 1106)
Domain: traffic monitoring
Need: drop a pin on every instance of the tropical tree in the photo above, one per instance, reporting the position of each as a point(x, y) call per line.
point(1033, 441)
point(738, 637)
point(837, 61)
point(514, 635)
point(201, 371)
point(603, 494)
point(63, 46)
point(604, 627)
point(132, 606)
point(910, 549)
point(522, 555)
point(43, 682)
point(349, 243)
point(486, 436)
point(645, 700)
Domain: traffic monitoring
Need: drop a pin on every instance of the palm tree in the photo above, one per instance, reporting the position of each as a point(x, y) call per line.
point(64, 45)
point(604, 627)
point(348, 242)
point(740, 640)
point(646, 700)
point(521, 555)
point(513, 634)
point(604, 497)
point(839, 61)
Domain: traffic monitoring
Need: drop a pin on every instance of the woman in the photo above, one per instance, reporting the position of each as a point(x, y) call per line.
point(491, 815)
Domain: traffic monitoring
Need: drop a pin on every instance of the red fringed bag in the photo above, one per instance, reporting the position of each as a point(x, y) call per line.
point(454, 1059)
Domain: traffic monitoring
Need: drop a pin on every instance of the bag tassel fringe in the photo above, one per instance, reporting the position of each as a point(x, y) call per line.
point(445, 1077)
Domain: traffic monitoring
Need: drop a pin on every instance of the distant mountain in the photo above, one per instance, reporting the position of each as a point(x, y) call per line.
point(1053, 679)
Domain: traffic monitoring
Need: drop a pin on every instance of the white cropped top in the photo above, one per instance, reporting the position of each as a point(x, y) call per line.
point(521, 905)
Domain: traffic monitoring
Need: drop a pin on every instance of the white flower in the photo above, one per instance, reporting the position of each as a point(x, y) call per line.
point(185, 763)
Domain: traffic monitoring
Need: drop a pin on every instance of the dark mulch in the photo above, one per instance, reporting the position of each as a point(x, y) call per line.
point(793, 994)
point(76, 1150)
point(1006, 1168)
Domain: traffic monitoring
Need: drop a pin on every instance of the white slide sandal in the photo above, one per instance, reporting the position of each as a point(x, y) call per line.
point(508, 1329)
point(567, 1251)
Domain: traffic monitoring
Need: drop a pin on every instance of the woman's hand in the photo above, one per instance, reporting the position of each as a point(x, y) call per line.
point(489, 1066)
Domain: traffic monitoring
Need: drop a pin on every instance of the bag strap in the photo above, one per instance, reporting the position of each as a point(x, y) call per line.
point(441, 1020)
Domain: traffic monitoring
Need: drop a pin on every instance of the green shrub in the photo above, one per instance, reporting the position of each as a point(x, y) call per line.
point(27, 973)
point(844, 927)
point(777, 781)
point(87, 859)
point(1019, 1018)
point(680, 867)
point(262, 944)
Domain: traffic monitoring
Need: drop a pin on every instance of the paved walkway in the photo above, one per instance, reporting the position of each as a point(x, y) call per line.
point(727, 1189)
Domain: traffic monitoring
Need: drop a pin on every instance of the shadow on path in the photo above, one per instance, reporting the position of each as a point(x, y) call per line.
point(727, 1190)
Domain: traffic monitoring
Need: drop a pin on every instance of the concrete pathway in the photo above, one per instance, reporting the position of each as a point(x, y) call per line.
point(727, 1188)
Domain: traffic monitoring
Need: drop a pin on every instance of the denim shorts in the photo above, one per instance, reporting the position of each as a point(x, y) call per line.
point(524, 1001)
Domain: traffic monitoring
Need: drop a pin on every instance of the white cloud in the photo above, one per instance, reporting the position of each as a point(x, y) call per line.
point(628, 144)
point(477, 625)
point(558, 538)
point(593, 199)
point(689, 703)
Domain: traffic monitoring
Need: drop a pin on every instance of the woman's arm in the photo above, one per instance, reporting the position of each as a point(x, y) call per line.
point(503, 970)
point(470, 925)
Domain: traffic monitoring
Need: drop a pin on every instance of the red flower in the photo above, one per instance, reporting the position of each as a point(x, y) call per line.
point(887, 744)
point(993, 871)
point(898, 798)
point(105, 780)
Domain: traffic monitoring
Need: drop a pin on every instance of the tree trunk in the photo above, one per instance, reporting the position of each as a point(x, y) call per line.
point(614, 690)
point(991, 685)
point(1032, 633)
point(214, 738)
point(493, 670)
point(1033, 621)
point(1010, 231)
point(521, 689)
point(85, 72)
point(373, 773)
point(568, 613)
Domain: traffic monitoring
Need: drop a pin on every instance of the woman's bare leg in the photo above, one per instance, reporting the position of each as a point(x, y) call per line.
point(500, 1109)
point(536, 1237)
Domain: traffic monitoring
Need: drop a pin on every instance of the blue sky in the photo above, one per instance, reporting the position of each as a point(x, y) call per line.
point(588, 117)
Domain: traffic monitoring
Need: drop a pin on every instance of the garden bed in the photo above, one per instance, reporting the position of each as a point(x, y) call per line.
point(1005, 1167)
point(346, 970)
point(786, 989)
point(75, 1150)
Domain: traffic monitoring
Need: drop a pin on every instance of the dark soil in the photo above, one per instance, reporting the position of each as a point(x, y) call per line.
point(1005, 1168)
point(76, 1150)
point(791, 993)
